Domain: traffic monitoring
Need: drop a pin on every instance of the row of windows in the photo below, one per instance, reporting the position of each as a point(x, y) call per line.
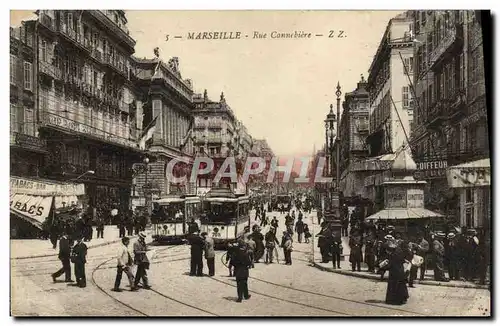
point(27, 73)
point(22, 120)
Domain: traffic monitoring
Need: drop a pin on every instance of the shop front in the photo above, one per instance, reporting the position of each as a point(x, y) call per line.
point(472, 181)
point(32, 201)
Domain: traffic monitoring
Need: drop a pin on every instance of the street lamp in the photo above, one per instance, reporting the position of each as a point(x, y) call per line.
point(330, 134)
point(145, 168)
point(83, 174)
point(337, 177)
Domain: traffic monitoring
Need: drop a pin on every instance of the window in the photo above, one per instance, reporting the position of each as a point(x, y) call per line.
point(28, 122)
point(462, 71)
point(13, 69)
point(408, 62)
point(43, 51)
point(27, 76)
point(469, 217)
point(13, 119)
point(406, 97)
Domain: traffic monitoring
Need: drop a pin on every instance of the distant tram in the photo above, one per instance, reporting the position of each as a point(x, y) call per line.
point(171, 215)
point(225, 216)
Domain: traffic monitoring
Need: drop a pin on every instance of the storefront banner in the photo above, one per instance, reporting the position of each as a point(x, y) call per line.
point(65, 201)
point(35, 207)
point(44, 188)
point(474, 174)
point(200, 191)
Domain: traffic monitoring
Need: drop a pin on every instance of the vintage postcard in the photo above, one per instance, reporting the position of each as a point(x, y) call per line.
point(250, 163)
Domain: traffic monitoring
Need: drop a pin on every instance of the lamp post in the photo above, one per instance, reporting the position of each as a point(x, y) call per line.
point(146, 188)
point(330, 134)
point(337, 177)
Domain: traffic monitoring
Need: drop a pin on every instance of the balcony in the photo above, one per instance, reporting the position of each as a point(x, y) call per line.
point(115, 65)
point(452, 40)
point(111, 27)
point(96, 54)
point(457, 109)
point(106, 129)
point(46, 21)
point(47, 70)
point(436, 115)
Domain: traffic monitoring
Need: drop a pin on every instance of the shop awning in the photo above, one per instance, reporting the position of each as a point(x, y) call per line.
point(471, 174)
point(33, 209)
point(403, 214)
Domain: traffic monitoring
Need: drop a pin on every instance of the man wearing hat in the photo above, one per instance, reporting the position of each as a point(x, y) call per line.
point(356, 255)
point(64, 257)
point(452, 255)
point(124, 266)
point(299, 228)
point(439, 252)
point(209, 253)
point(197, 245)
point(286, 244)
point(142, 261)
point(241, 262)
point(270, 242)
point(79, 258)
point(422, 250)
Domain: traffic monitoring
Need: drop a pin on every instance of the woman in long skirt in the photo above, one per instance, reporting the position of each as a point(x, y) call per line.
point(397, 292)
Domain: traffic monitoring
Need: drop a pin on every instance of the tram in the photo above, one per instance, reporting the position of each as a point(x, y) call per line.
point(225, 216)
point(171, 215)
point(286, 200)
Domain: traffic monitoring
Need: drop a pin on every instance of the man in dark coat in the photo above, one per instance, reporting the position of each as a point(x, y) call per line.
point(274, 223)
point(299, 228)
point(241, 262)
point(64, 257)
point(193, 227)
point(286, 244)
point(100, 228)
point(197, 245)
point(370, 253)
point(336, 249)
point(452, 255)
point(324, 242)
point(121, 226)
point(259, 242)
point(438, 250)
point(356, 255)
point(142, 261)
point(79, 258)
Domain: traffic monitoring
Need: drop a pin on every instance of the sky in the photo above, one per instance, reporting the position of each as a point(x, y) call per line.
point(281, 89)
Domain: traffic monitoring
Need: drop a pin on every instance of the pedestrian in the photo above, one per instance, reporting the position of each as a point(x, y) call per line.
point(258, 237)
point(345, 226)
point(270, 242)
point(324, 242)
point(275, 223)
point(356, 255)
point(370, 252)
point(307, 233)
point(124, 265)
point(100, 228)
point(251, 247)
point(241, 262)
point(422, 250)
point(397, 292)
point(209, 253)
point(452, 255)
point(286, 244)
point(336, 249)
point(193, 227)
point(64, 256)
point(79, 258)
point(299, 228)
point(231, 252)
point(142, 261)
point(383, 252)
point(121, 227)
point(197, 245)
point(438, 250)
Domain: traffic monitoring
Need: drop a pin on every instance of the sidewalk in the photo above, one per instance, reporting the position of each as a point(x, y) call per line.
point(345, 268)
point(33, 248)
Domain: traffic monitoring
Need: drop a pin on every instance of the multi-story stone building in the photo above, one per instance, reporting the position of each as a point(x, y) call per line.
point(167, 97)
point(450, 115)
point(354, 127)
point(215, 133)
point(87, 105)
point(27, 150)
point(391, 107)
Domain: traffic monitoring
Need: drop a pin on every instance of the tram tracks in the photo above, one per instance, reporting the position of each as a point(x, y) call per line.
point(141, 311)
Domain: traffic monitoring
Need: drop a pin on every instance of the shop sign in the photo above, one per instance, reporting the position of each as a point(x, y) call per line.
point(32, 187)
point(431, 170)
point(71, 125)
point(30, 142)
point(395, 197)
point(469, 177)
point(35, 207)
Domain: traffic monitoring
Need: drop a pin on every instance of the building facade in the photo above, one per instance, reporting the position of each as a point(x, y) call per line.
point(389, 80)
point(85, 102)
point(450, 116)
point(354, 127)
point(168, 98)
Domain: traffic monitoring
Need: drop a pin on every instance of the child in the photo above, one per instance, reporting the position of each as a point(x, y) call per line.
point(307, 233)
